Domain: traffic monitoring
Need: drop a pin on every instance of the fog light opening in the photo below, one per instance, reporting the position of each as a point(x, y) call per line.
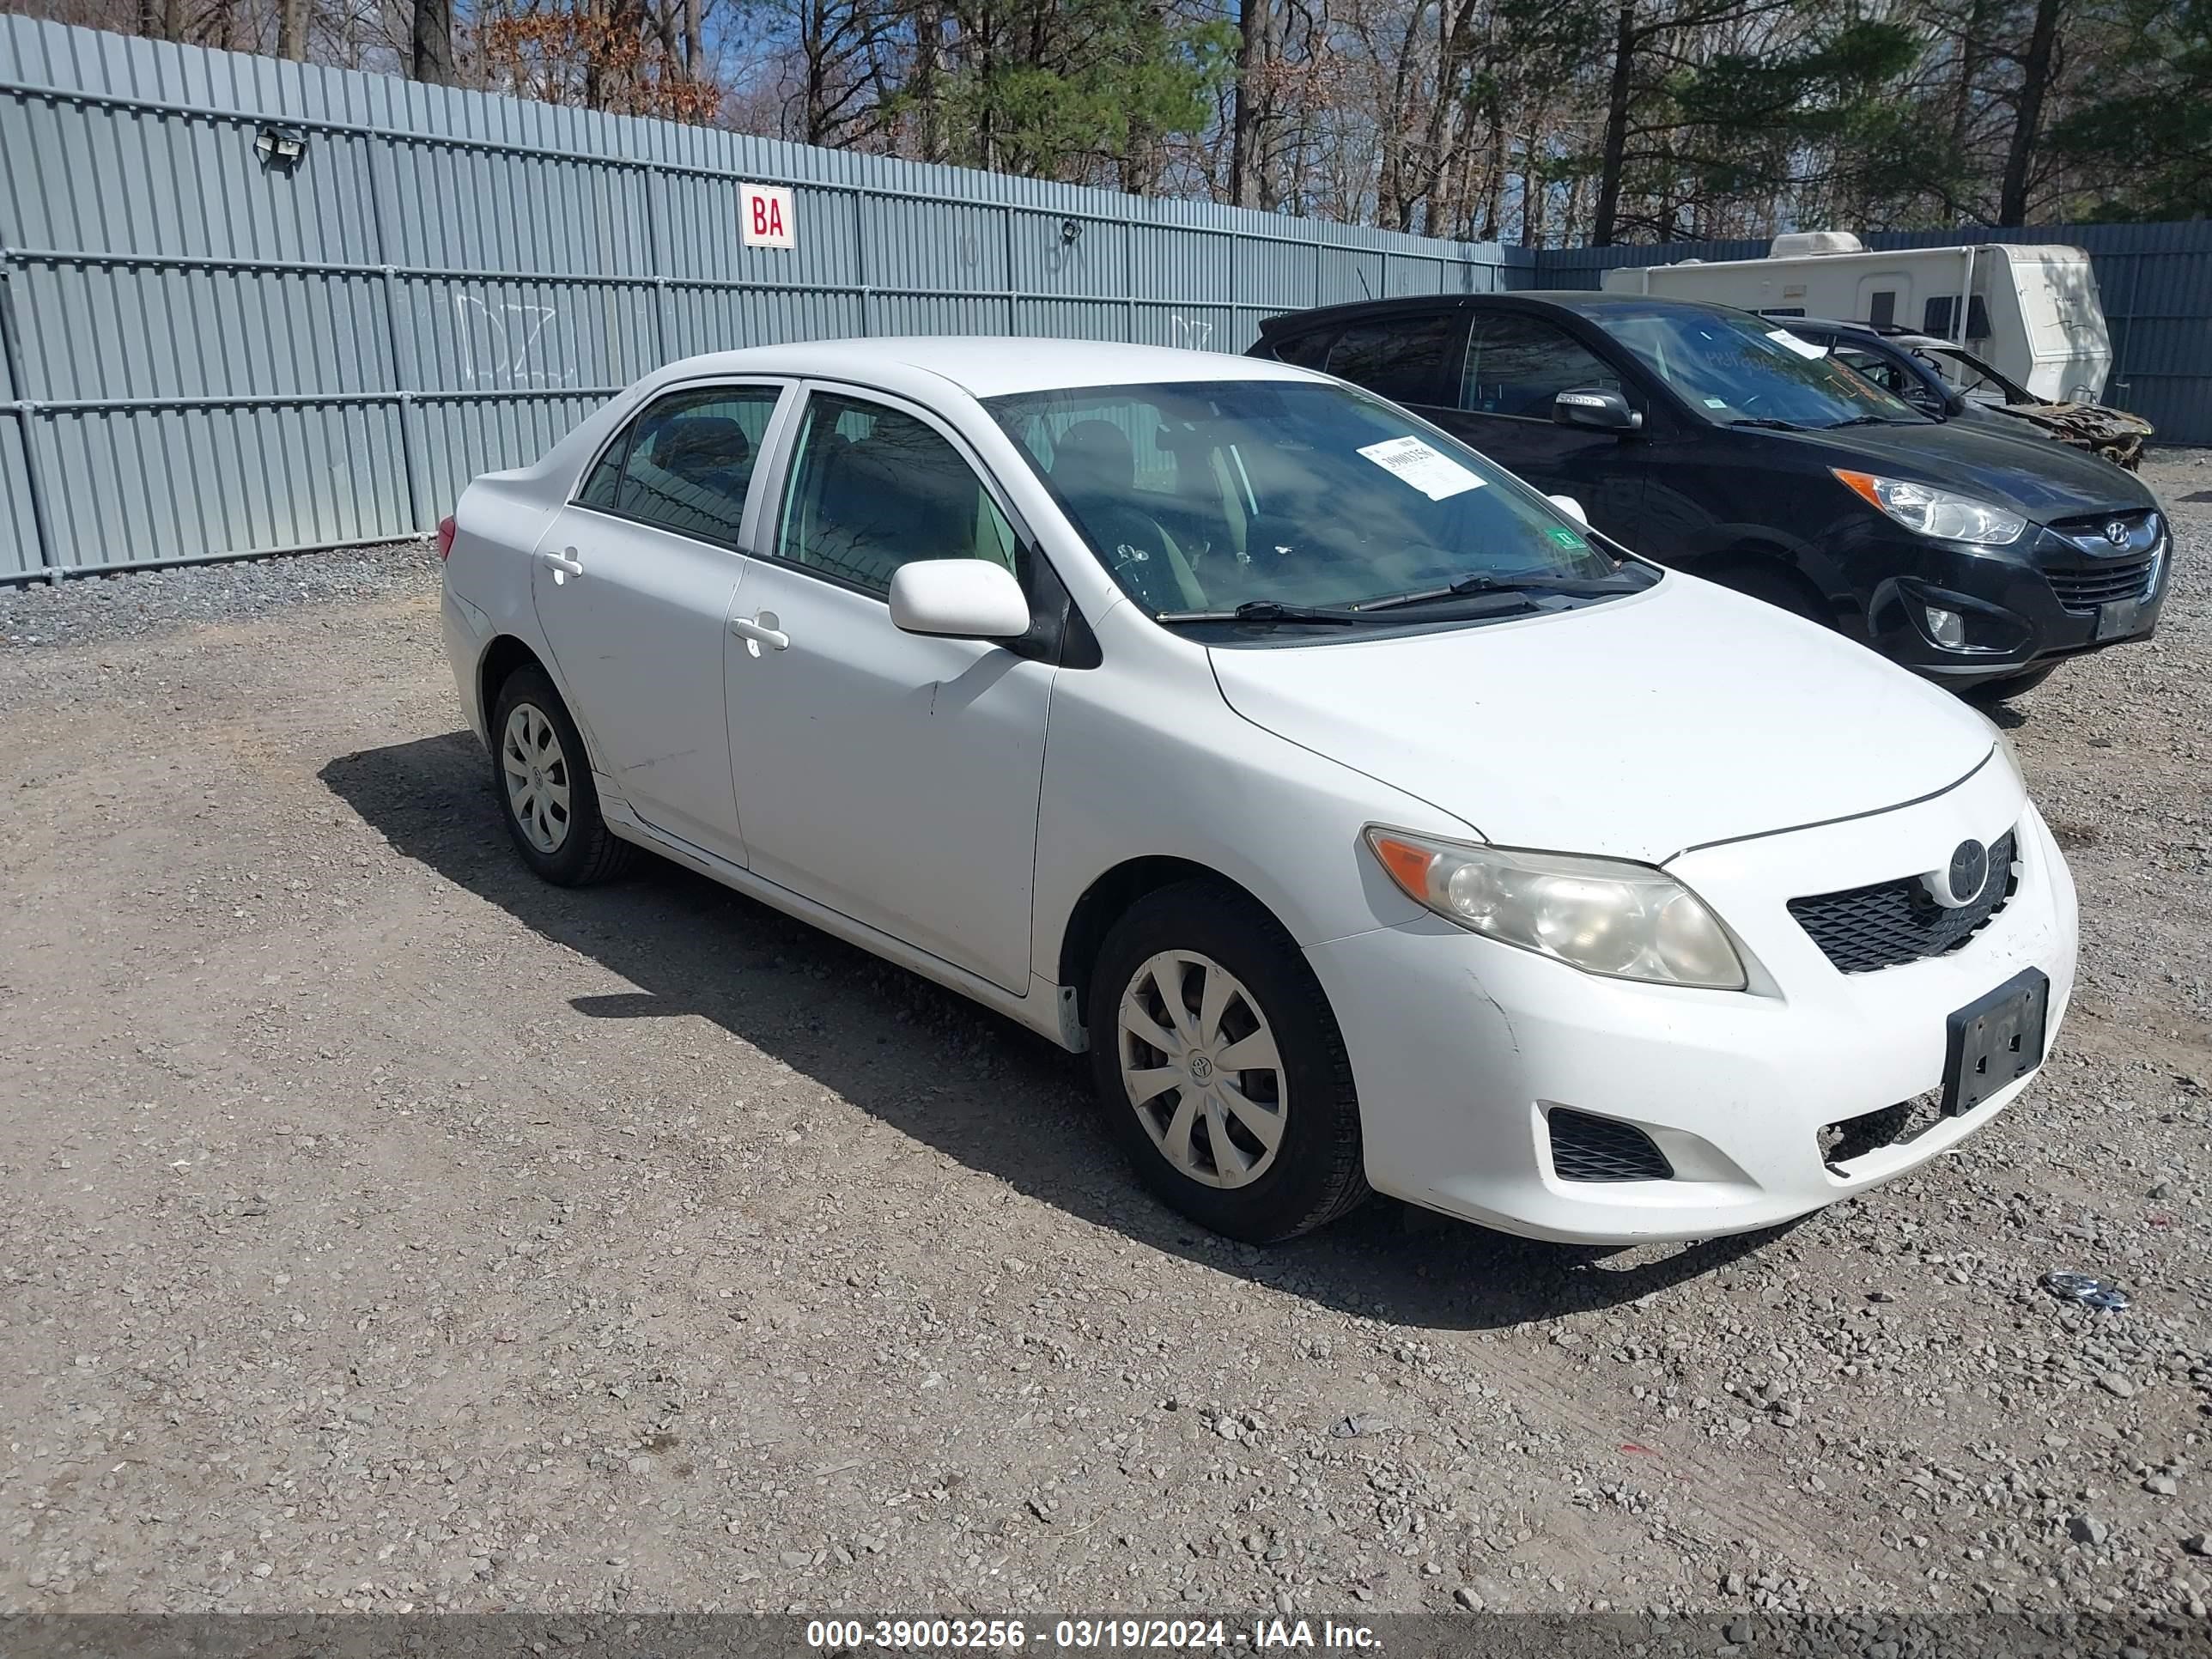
point(1947, 628)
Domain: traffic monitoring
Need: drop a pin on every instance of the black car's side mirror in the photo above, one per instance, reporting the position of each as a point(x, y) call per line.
point(1599, 407)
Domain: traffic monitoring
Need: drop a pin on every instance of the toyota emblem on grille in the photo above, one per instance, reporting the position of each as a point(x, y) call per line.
point(1960, 882)
point(2116, 531)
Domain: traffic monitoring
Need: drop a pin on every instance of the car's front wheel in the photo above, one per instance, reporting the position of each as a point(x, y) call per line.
point(1221, 1066)
point(544, 783)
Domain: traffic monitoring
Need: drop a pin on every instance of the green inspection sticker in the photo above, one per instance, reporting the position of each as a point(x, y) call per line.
point(1566, 537)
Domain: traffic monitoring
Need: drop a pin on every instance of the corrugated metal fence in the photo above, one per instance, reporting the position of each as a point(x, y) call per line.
point(208, 355)
point(2155, 281)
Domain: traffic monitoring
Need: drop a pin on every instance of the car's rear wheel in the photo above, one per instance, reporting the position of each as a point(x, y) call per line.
point(1221, 1066)
point(544, 783)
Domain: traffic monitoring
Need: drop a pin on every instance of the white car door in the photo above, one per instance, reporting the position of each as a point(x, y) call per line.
point(633, 586)
point(892, 777)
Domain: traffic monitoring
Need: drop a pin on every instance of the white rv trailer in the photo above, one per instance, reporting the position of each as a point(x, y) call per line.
point(2032, 312)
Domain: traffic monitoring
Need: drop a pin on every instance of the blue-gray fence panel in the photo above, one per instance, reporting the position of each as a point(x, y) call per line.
point(19, 541)
point(217, 355)
point(2155, 281)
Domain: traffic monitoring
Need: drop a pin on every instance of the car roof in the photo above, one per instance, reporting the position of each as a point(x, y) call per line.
point(1592, 303)
point(990, 366)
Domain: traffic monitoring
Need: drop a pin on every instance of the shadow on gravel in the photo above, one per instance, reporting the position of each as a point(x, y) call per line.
point(936, 1067)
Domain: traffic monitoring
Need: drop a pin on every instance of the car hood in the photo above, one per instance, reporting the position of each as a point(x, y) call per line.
point(2021, 469)
point(1637, 728)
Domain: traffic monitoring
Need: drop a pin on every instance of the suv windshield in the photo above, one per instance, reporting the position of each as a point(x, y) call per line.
point(1289, 495)
point(1731, 367)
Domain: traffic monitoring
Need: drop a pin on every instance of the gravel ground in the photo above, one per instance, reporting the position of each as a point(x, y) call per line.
point(126, 606)
point(383, 1229)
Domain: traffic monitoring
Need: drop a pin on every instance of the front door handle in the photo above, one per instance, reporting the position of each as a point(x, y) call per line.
point(564, 564)
point(761, 630)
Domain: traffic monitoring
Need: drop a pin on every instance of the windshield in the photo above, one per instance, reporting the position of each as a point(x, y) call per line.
point(1969, 375)
point(1203, 496)
point(1733, 368)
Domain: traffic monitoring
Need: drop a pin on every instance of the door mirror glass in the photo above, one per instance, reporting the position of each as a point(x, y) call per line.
point(1599, 408)
point(1571, 506)
point(958, 599)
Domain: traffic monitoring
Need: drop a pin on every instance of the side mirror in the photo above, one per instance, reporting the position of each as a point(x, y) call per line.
point(959, 599)
point(1572, 508)
point(1599, 407)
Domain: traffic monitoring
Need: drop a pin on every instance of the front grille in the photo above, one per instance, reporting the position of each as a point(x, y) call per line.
point(2122, 579)
point(1898, 921)
point(1586, 1148)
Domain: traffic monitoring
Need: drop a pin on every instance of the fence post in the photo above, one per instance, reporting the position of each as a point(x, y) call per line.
point(1129, 275)
point(654, 220)
point(860, 260)
point(412, 463)
point(48, 555)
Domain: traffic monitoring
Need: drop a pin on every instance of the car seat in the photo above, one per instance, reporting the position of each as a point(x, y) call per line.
point(1094, 467)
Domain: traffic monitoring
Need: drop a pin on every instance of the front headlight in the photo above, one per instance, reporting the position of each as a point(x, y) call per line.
point(1938, 513)
point(1624, 920)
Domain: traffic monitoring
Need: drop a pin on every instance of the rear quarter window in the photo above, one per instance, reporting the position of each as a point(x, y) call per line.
point(1306, 350)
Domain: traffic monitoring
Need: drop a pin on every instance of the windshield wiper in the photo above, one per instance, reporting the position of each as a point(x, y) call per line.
point(1267, 613)
point(1866, 419)
point(1587, 587)
point(1768, 421)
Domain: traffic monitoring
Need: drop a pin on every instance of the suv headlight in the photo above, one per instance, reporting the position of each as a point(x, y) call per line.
point(1623, 920)
point(1938, 513)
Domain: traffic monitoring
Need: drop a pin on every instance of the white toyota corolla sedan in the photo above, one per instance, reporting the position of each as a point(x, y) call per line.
point(1370, 821)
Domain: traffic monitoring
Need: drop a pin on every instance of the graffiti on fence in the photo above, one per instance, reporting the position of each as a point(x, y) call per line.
point(1194, 333)
point(502, 342)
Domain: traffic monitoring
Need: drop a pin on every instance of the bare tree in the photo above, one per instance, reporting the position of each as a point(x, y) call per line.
point(2038, 70)
point(430, 55)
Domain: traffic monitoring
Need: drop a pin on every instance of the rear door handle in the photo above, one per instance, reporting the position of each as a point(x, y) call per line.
point(563, 564)
point(761, 630)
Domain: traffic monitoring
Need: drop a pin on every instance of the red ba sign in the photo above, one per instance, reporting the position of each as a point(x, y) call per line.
point(766, 216)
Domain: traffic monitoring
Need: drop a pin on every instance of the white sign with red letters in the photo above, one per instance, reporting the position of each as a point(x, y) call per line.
point(765, 216)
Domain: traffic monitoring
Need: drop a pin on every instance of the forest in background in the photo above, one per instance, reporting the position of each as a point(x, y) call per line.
point(1544, 123)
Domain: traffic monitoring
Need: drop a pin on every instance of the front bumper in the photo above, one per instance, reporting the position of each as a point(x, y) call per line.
point(2010, 598)
point(1460, 1046)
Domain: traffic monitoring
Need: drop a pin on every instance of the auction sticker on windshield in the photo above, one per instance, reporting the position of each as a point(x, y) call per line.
point(1436, 475)
point(1783, 336)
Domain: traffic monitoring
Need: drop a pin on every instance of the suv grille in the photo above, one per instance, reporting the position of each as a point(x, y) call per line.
point(2085, 590)
point(2121, 570)
point(1586, 1148)
point(1897, 921)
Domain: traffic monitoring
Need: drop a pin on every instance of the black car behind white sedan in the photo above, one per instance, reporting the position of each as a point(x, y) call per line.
point(1717, 441)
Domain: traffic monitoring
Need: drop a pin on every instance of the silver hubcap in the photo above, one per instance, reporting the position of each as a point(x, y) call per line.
point(1202, 1069)
point(536, 770)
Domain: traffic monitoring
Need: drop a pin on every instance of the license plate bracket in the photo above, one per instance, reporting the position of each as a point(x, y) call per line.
point(1994, 1041)
point(2119, 619)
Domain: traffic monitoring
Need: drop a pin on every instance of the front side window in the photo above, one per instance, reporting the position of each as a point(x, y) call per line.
point(1291, 493)
point(873, 487)
point(1517, 364)
point(1403, 359)
point(1736, 369)
point(686, 462)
